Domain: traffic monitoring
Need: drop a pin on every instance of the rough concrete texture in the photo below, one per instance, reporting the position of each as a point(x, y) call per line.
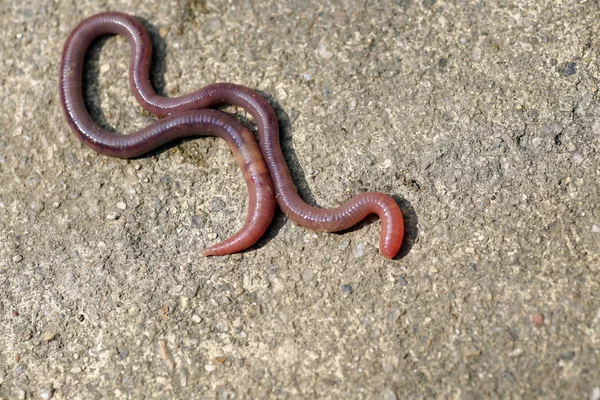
point(481, 117)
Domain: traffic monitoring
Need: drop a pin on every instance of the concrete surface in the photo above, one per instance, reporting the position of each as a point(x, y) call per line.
point(481, 117)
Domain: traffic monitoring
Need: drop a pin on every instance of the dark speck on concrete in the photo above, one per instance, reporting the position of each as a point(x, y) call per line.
point(570, 69)
point(346, 288)
point(567, 356)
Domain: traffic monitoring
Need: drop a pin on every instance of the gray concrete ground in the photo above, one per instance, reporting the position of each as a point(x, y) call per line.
point(481, 117)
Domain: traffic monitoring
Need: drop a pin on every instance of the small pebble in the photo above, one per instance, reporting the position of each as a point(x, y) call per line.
point(121, 205)
point(537, 319)
point(104, 68)
point(359, 250)
point(17, 258)
point(595, 229)
point(352, 104)
point(185, 301)
point(347, 288)
point(577, 158)
point(595, 393)
point(471, 351)
point(123, 354)
point(323, 52)
point(196, 318)
point(570, 69)
point(344, 244)
point(516, 353)
point(163, 31)
point(49, 336)
point(386, 164)
point(223, 300)
point(46, 394)
point(209, 367)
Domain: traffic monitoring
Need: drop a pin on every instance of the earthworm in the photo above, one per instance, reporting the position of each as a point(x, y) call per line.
point(174, 109)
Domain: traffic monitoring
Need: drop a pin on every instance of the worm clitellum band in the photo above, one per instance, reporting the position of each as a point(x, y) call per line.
point(188, 116)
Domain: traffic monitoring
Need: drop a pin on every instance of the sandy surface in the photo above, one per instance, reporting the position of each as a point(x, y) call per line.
point(482, 118)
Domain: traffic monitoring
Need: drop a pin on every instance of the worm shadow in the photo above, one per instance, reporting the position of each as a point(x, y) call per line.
point(157, 72)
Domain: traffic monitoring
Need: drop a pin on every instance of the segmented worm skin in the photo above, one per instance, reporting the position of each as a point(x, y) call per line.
point(331, 220)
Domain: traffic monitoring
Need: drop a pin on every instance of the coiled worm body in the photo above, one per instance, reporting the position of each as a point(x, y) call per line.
point(187, 115)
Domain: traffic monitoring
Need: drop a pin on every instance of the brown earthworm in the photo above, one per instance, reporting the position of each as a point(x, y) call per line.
point(183, 116)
